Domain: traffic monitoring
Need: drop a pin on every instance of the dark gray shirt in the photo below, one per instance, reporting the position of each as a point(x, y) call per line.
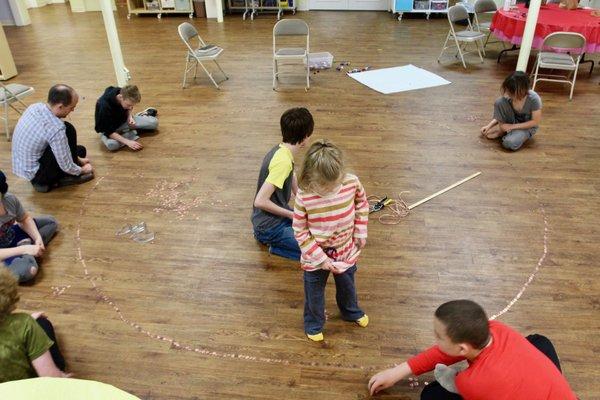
point(278, 169)
point(14, 212)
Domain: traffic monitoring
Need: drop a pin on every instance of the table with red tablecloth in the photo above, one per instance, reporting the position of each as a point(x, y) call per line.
point(510, 25)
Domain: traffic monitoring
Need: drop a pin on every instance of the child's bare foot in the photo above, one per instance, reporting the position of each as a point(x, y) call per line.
point(494, 135)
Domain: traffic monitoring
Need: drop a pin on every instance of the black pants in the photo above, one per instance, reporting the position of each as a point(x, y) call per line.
point(54, 350)
point(435, 391)
point(49, 172)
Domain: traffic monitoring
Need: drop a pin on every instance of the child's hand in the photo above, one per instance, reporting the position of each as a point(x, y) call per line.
point(327, 265)
point(32, 250)
point(485, 129)
point(382, 380)
point(38, 314)
point(360, 243)
point(131, 122)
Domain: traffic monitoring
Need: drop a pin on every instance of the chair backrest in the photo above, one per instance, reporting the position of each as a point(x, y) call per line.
point(291, 27)
point(575, 42)
point(483, 6)
point(457, 12)
point(187, 32)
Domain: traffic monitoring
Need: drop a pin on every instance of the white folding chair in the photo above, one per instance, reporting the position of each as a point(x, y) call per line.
point(10, 94)
point(565, 52)
point(462, 38)
point(195, 56)
point(290, 27)
point(483, 25)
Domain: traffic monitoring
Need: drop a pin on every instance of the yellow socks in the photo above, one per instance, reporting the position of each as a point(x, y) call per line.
point(363, 321)
point(317, 337)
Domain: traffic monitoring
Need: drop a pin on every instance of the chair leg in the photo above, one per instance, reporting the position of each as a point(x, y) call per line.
point(535, 75)
point(195, 70)
point(462, 58)
point(573, 83)
point(487, 38)
point(6, 119)
point(209, 75)
point(274, 74)
point(221, 69)
point(185, 73)
point(307, 75)
point(477, 43)
point(444, 47)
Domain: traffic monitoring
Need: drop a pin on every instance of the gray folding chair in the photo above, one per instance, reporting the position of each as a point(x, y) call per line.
point(195, 56)
point(10, 94)
point(290, 27)
point(483, 25)
point(565, 52)
point(464, 37)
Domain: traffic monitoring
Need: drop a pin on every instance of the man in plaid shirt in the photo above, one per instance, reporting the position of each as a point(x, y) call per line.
point(44, 149)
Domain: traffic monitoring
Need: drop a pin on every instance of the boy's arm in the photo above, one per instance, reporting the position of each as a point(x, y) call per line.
point(263, 201)
point(28, 225)
point(294, 184)
point(388, 378)
point(428, 359)
point(361, 212)
point(312, 253)
point(44, 366)
point(536, 118)
point(132, 144)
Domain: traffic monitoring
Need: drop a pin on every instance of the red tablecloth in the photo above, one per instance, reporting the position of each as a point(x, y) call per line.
point(509, 25)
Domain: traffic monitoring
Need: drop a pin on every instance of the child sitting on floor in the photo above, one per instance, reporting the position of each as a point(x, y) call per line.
point(517, 114)
point(22, 238)
point(503, 365)
point(330, 225)
point(271, 213)
point(27, 343)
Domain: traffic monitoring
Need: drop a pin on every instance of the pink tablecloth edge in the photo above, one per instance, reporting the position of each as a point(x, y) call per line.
point(537, 41)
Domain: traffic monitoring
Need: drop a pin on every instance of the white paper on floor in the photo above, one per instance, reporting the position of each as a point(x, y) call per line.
point(398, 79)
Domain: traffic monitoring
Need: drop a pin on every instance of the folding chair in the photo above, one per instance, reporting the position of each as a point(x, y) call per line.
point(464, 37)
point(9, 94)
point(195, 56)
point(290, 27)
point(484, 7)
point(566, 51)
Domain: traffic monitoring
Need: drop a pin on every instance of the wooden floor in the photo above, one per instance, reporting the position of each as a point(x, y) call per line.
point(231, 315)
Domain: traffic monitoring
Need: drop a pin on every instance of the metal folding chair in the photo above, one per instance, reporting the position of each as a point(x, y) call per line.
point(290, 27)
point(464, 37)
point(9, 95)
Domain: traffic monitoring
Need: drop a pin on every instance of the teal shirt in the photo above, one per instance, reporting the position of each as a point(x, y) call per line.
point(21, 341)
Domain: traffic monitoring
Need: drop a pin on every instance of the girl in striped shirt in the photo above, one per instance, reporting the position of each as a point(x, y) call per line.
point(330, 225)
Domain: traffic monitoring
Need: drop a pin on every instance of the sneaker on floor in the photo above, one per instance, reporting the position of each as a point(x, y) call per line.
point(75, 180)
point(41, 188)
point(317, 337)
point(150, 111)
point(363, 321)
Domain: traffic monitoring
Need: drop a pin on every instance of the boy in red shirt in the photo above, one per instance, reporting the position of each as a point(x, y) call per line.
point(503, 365)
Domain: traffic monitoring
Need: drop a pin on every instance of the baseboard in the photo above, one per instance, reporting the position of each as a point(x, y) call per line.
point(7, 22)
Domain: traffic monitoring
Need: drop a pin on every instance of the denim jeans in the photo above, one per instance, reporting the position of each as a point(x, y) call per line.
point(314, 298)
point(281, 240)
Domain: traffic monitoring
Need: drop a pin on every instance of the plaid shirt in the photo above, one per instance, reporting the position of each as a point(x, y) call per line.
point(37, 128)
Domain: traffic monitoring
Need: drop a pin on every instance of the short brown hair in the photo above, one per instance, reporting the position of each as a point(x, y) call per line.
point(323, 164)
point(465, 322)
point(131, 92)
point(516, 84)
point(9, 295)
point(296, 125)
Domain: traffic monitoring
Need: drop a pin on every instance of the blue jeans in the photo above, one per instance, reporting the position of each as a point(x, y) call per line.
point(281, 240)
point(314, 298)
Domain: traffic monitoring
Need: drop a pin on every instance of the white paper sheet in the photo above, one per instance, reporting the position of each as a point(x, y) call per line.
point(398, 79)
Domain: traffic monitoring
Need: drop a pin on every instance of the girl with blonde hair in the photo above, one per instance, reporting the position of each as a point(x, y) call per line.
point(330, 225)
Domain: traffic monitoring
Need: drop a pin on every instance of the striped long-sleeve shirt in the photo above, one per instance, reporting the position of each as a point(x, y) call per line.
point(326, 226)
